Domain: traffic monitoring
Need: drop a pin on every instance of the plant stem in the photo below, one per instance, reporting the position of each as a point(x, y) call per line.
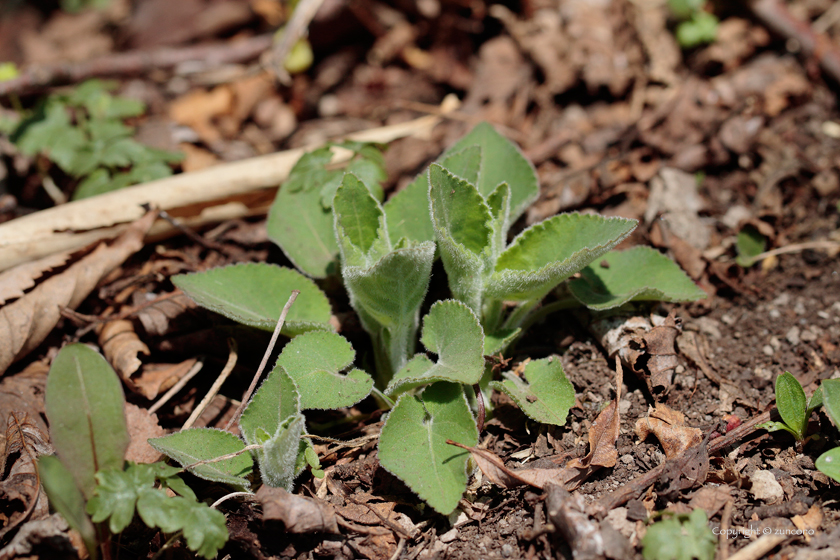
point(539, 314)
point(492, 316)
point(383, 400)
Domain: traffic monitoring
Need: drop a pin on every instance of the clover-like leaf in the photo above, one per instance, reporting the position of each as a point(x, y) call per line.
point(829, 463)
point(501, 162)
point(315, 361)
point(547, 253)
point(254, 293)
point(413, 445)
point(452, 331)
point(66, 498)
point(638, 274)
point(680, 537)
point(116, 495)
point(201, 444)
point(546, 396)
point(84, 403)
point(276, 400)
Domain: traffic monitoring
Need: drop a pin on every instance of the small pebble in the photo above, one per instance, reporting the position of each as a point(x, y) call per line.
point(799, 308)
point(728, 319)
point(449, 536)
point(768, 350)
point(775, 314)
point(775, 343)
point(507, 550)
point(809, 336)
point(792, 336)
point(627, 459)
point(823, 315)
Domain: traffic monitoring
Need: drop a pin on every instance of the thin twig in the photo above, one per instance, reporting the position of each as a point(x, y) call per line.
point(227, 497)
point(295, 29)
point(245, 449)
point(353, 443)
point(214, 389)
point(135, 62)
point(725, 519)
point(178, 386)
point(757, 549)
point(796, 247)
point(264, 361)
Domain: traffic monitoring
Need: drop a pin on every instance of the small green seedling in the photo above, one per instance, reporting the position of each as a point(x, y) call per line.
point(750, 244)
point(697, 26)
point(89, 481)
point(829, 462)
point(680, 537)
point(461, 209)
point(83, 134)
point(793, 407)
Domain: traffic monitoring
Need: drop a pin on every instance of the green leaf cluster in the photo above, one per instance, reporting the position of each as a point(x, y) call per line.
point(83, 133)
point(793, 406)
point(88, 482)
point(697, 26)
point(680, 537)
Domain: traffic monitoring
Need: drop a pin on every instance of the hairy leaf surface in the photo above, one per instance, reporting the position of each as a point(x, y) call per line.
point(199, 444)
point(546, 395)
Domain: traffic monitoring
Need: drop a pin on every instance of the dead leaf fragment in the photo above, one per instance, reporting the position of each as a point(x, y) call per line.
point(141, 427)
point(669, 427)
point(15, 281)
point(710, 499)
point(120, 344)
point(298, 513)
point(26, 322)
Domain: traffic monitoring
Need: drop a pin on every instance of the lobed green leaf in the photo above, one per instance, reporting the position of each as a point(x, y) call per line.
point(254, 294)
point(84, 404)
point(315, 361)
point(412, 445)
point(452, 331)
point(200, 444)
point(116, 495)
point(637, 274)
point(546, 396)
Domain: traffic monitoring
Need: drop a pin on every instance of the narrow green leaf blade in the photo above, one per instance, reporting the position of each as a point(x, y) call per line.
point(452, 331)
point(547, 253)
point(275, 400)
point(459, 210)
point(791, 402)
point(829, 463)
point(546, 396)
point(315, 361)
point(359, 224)
point(831, 399)
point(638, 274)
point(254, 294)
point(413, 445)
point(198, 444)
point(66, 498)
point(85, 403)
point(300, 225)
point(501, 161)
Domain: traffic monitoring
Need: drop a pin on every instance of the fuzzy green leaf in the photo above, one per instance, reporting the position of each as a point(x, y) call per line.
point(638, 274)
point(303, 229)
point(462, 223)
point(276, 400)
point(116, 494)
point(547, 395)
point(413, 445)
point(84, 403)
point(279, 456)
point(254, 294)
point(680, 537)
point(359, 224)
point(407, 213)
point(315, 361)
point(66, 498)
point(499, 341)
point(499, 203)
point(452, 331)
point(199, 444)
point(388, 296)
point(829, 463)
point(792, 404)
point(547, 253)
point(830, 389)
point(501, 161)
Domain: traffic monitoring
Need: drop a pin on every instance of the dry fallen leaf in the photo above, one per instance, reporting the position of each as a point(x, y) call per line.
point(24, 393)
point(120, 344)
point(659, 345)
point(15, 281)
point(26, 322)
point(669, 427)
point(154, 379)
point(141, 427)
point(298, 513)
point(711, 499)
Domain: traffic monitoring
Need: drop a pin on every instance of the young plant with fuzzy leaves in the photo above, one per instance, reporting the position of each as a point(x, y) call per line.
point(386, 282)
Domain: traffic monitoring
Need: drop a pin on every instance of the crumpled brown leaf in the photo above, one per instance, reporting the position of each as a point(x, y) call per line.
point(298, 513)
point(120, 344)
point(669, 427)
point(711, 499)
point(26, 322)
point(15, 281)
point(659, 345)
point(24, 393)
